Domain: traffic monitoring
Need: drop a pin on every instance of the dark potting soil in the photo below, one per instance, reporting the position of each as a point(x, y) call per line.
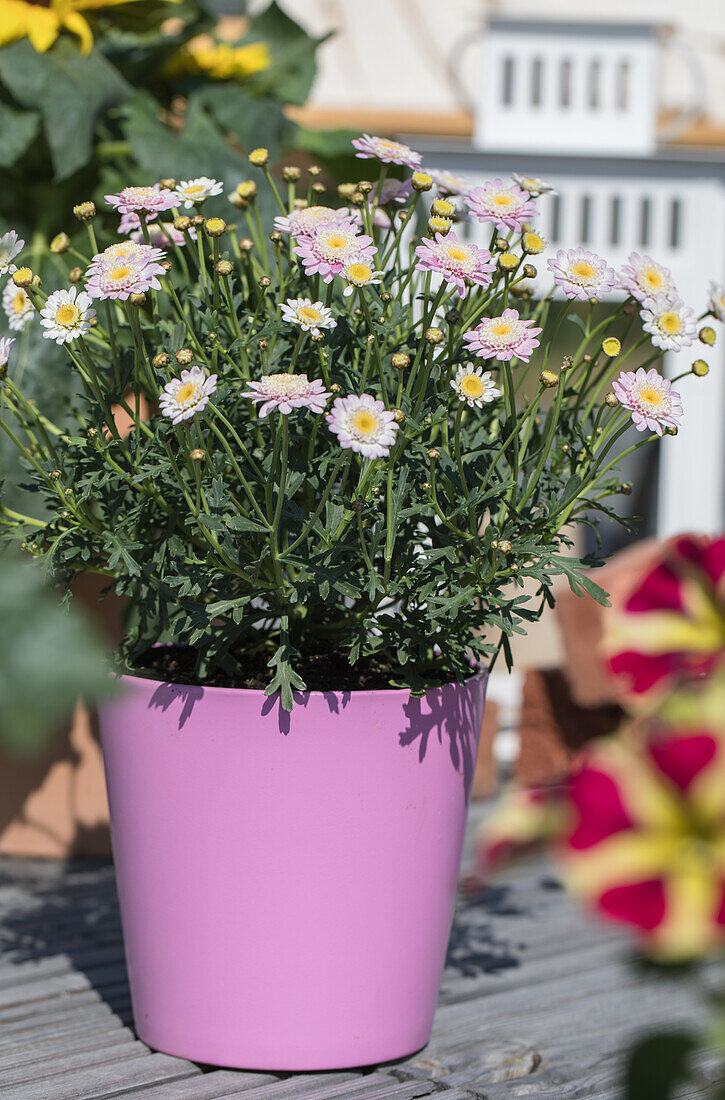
point(322, 670)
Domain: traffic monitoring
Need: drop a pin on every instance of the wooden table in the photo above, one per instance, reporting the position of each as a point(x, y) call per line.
point(536, 1001)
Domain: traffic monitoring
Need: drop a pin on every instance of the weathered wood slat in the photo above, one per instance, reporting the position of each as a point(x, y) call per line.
point(101, 1082)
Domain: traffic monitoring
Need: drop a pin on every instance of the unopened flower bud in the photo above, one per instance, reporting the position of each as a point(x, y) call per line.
point(259, 157)
point(398, 415)
point(84, 211)
point(54, 475)
point(434, 335)
point(508, 261)
point(263, 343)
point(224, 267)
point(626, 488)
point(314, 170)
point(237, 201)
point(346, 190)
point(370, 338)
point(336, 387)
point(291, 173)
point(421, 181)
point(92, 433)
point(565, 448)
point(433, 453)
point(567, 362)
point(514, 567)
point(357, 198)
point(529, 271)
point(494, 544)
point(318, 188)
point(587, 358)
point(385, 296)
point(501, 244)
point(160, 360)
point(453, 316)
point(198, 454)
point(215, 227)
point(182, 223)
point(60, 243)
point(428, 420)
point(611, 346)
point(426, 486)
point(442, 208)
point(264, 281)
point(611, 399)
point(276, 237)
point(247, 189)
point(505, 546)
point(400, 360)
point(700, 368)
point(365, 186)
point(75, 275)
point(167, 265)
point(630, 308)
point(706, 335)
point(197, 220)
point(439, 225)
point(37, 281)
point(301, 204)
point(548, 378)
point(246, 244)
point(137, 299)
point(318, 336)
point(168, 182)
point(184, 356)
point(671, 429)
point(23, 276)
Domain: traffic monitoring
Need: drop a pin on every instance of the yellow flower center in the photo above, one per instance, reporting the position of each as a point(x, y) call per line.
point(671, 323)
point(501, 328)
point(194, 189)
point(583, 270)
point(309, 313)
point(653, 278)
point(19, 301)
point(67, 314)
point(650, 395)
point(502, 200)
point(533, 242)
point(185, 392)
point(119, 273)
point(336, 241)
point(359, 273)
point(364, 422)
point(472, 385)
point(457, 252)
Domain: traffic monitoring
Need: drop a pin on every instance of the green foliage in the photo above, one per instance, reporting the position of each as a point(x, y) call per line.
point(50, 656)
point(245, 535)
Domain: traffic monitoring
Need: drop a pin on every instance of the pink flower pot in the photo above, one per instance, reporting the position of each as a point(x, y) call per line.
point(287, 881)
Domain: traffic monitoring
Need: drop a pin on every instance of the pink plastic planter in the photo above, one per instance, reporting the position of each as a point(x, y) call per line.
point(287, 881)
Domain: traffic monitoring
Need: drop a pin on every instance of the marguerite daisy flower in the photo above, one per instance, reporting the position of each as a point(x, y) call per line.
point(183, 397)
point(363, 424)
point(10, 245)
point(6, 342)
point(463, 264)
point(66, 315)
point(670, 323)
point(194, 192)
point(582, 274)
point(140, 200)
point(302, 222)
point(329, 247)
point(503, 337)
point(123, 251)
point(386, 151)
point(310, 316)
point(650, 398)
point(17, 306)
point(716, 300)
point(533, 184)
point(359, 274)
point(474, 386)
point(450, 184)
point(285, 392)
point(506, 206)
point(644, 278)
point(130, 269)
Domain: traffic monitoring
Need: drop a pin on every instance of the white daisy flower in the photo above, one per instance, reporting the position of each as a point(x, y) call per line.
point(67, 314)
point(534, 185)
point(646, 279)
point(363, 424)
point(671, 324)
point(474, 385)
point(17, 306)
point(716, 300)
point(359, 274)
point(310, 316)
point(183, 397)
point(6, 342)
point(193, 192)
point(10, 245)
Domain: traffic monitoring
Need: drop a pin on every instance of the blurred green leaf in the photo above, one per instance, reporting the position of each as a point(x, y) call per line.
point(17, 130)
point(253, 120)
point(292, 72)
point(658, 1065)
point(50, 656)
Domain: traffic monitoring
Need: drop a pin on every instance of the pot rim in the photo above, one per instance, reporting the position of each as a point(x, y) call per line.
point(215, 689)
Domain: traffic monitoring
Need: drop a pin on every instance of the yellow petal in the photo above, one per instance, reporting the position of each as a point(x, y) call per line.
point(76, 23)
point(42, 28)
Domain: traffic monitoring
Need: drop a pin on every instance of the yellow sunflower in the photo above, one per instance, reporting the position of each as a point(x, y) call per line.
point(42, 20)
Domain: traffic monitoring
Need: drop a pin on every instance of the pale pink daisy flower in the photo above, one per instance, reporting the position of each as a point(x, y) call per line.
point(716, 300)
point(645, 279)
point(448, 183)
point(650, 398)
point(183, 397)
point(149, 200)
point(310, 316)
point(671, 324)
point(194, 192)
point(534, 185)
point(386, 151)
point(305, 221)
point(474, 385)
point(582, 274)
point(329, 247)
point(463, 264)
point(505, 337)
point(285, 392)
point(358, 274)
point(507, 206)
point(10, 245)
point(363, 424)
point(122, 251)
point(6, 343)
point(118, 276)
point(129, 222)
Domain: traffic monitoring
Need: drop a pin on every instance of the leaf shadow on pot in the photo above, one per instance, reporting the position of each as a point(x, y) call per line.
point(167, 694)
point(451, 714)
point(336, 701)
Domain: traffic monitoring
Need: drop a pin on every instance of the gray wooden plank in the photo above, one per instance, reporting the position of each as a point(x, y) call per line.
point(98, 1083)
point(50, 1065)
point(224, 1083)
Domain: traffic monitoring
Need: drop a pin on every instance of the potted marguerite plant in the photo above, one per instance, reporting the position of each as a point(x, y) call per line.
point(323, 530)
